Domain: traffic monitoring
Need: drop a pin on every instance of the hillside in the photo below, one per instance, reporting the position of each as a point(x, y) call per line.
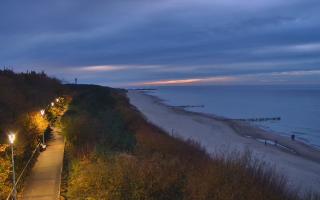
point(114, 153)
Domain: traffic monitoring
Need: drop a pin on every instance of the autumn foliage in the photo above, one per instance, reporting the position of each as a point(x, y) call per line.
point(22, 95)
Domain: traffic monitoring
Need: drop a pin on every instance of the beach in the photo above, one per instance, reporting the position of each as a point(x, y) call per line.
point(298, 162)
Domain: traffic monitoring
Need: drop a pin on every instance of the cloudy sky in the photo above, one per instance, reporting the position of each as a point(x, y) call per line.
point(145, 42)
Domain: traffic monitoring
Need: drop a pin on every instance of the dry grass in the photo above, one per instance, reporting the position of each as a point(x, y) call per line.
point(163, 167)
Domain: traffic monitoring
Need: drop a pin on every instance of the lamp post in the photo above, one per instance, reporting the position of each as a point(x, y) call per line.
point(42, 114)
point(12, 137)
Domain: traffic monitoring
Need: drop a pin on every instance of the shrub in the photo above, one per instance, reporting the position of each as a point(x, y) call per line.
point(92, 122)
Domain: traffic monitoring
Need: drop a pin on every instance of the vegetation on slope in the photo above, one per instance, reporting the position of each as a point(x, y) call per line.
point(114, 153)
point(21, 98)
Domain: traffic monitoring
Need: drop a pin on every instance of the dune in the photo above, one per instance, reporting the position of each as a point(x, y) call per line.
point(298, 162)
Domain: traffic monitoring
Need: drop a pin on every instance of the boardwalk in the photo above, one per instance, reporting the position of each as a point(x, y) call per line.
point(44, 180)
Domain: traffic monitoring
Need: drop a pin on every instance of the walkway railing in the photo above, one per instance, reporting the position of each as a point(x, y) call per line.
point(23, 170)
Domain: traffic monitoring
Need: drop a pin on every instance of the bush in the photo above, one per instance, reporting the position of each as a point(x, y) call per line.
point(93, 123)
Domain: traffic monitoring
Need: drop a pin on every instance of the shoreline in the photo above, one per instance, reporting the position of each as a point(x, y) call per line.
point(295, 160)
point(245, 129)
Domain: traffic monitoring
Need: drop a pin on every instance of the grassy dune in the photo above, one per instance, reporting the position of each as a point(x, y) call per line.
point(114, 153)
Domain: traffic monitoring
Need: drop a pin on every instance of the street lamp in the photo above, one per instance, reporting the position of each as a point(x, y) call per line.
point(12, 137)
point(42, 114)
point(57, 99)
point(52, 104)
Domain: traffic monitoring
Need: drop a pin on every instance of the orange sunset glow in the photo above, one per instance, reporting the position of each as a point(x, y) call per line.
point(217, 79)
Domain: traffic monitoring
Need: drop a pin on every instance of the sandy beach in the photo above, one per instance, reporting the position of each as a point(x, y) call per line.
point(298, 162)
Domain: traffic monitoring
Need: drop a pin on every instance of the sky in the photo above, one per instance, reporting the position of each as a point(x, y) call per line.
point(168, 42)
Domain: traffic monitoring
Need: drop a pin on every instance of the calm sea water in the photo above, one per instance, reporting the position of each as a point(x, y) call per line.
point(298, 106)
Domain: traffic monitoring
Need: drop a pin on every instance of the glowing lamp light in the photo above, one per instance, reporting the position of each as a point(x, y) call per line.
point(42, 112)
point(52, 104)
point(12, 137)
point(57, 99)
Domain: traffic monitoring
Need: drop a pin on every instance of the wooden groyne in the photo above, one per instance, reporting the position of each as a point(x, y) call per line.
point(260, 119)
point(188, 106)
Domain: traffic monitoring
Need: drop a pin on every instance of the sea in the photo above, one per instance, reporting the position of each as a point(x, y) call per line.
point(297, 106)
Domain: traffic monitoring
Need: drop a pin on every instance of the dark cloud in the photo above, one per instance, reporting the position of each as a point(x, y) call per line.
point(157, 40)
